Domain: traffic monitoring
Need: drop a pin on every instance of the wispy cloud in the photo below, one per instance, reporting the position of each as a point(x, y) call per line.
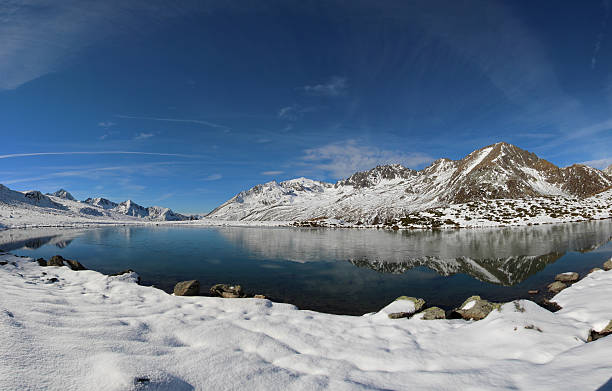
point(16, 155)
point(47, 34)
point(149, 169)
point(213, 177)
point(342, 159)
point(601, 35)
point(334, 87)
point(599, 163)
point(106, 124)
point(182, 120)
point(143, 136)
point(268, 173)
point(294, 112)
point(164, 197)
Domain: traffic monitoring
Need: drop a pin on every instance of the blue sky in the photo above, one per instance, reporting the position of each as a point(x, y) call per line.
point(211, 98)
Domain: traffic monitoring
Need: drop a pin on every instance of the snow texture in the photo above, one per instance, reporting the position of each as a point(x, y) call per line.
point(67, 330)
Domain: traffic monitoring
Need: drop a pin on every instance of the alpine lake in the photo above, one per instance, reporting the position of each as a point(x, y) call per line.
point(341, 271)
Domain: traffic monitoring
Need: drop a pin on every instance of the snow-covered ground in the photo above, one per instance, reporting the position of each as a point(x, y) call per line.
point(88, 331)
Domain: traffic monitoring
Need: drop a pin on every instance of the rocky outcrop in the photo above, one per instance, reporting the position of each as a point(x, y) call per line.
point(187, 288)
point(475, 308)
point(433, 313)
point(64, 194)
point(595, 335)
point(402, 307)
point(227, 291)
point(58, 260)
point(556, 287)
point(567, 277)
point(607, 265)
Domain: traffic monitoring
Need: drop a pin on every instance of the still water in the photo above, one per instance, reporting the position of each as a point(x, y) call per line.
point(345, 271)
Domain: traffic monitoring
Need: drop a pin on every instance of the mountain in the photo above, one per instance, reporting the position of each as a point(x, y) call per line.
point(18, 209)
point(130, 208)
point(608, 170)
point(498, 171)
point(61, 193)
point(101, 203)
point(31, 198)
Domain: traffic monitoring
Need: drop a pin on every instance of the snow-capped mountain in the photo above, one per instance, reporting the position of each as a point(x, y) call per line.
point(494, 172)
point(608, 170)
point(61, 193)
point(36, 208)
point(101, 203)
point(32, 197)
point(130, 208)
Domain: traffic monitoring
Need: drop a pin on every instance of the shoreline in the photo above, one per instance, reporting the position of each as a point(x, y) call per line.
point(283, 224)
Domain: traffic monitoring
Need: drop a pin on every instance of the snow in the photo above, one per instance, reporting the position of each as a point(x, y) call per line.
point(90, 331)
point(469, 305)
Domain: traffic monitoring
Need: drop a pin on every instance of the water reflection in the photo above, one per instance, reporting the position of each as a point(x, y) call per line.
point(501, 256)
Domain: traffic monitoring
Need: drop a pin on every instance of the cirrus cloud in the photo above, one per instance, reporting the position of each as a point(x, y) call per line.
point(341, 159)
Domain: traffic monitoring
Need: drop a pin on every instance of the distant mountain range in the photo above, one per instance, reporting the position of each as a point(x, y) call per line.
point(63, 202)
point(498, 171)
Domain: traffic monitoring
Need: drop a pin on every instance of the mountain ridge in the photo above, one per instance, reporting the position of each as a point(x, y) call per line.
point(497, 171)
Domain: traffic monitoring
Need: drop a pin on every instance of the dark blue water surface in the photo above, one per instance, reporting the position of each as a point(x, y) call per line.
point(346, 271)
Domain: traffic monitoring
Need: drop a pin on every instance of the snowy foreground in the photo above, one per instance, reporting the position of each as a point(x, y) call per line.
point(87, 331)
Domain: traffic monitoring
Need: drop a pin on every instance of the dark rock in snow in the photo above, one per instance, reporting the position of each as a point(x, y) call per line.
point(556, 287)
point(433, 313)
point(187, 288)
point(475, 308)
point(567, 277)
point(58, 260)
point(595, 335)
point(227, 291)
point(608, 265)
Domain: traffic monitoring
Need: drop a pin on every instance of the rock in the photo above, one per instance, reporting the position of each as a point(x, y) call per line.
point(41, 262)
point(567, 277)
point(475, 308)
point(556, 287)
point(550, 305)
point(74, 265)
point(533, 291)
point(432, 313)
point(58, 260)
point(595, 269)
point(260, 297)
point(52, 280)
point(187, 288)
point(595, 335)
point(227, 291)
point(608, 265)
point(403, 307)
point(2, 263)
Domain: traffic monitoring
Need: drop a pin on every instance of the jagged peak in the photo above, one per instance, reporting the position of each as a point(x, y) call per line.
point(62, 193)
point(375, 175)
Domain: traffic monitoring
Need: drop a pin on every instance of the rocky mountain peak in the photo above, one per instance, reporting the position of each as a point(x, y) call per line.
point(377, 174)
point(608, 170)
point(101, 202)
point(64, 194)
